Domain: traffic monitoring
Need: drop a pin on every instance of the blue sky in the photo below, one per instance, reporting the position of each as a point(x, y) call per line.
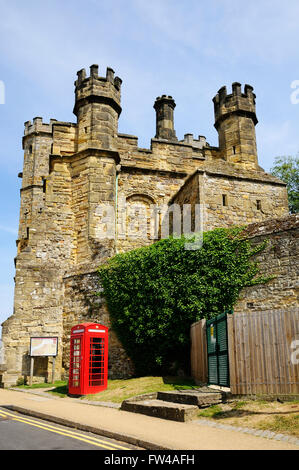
point(185, 48)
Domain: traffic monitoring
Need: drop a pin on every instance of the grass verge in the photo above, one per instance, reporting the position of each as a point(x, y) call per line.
point(119, 390)
point(272, 416)
point(57, 383)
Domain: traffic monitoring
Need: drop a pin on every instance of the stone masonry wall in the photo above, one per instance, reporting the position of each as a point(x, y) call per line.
point(83, 305)
point(40, 265)
point(280, 259)
point(229, 199)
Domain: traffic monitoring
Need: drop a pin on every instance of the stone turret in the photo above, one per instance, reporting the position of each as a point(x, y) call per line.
point(164, 107)
point(37, 145)
point(235, 120)
point(97, 107)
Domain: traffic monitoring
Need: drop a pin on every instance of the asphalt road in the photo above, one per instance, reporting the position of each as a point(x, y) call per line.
point(20, 432)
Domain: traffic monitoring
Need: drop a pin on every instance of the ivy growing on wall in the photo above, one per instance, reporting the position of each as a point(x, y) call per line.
point(155, 293)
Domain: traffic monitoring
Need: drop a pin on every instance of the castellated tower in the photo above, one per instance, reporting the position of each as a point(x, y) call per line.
point(68, 182)
point(97, 108)
point(74, 176)
point(37, 145)
point(235, 121)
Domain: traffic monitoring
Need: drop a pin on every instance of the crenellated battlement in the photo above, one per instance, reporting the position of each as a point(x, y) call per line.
point(197, 143)
point(97, 89)
point(222, 95)
point(235, 121)
point(167, 99)
point(38, 126)
point(235, 102)
point(94, 75)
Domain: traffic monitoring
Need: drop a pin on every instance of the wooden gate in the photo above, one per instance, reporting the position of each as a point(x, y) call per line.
point(217, 348)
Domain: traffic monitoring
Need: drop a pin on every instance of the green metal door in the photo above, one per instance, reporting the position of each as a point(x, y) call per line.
point(217, 343)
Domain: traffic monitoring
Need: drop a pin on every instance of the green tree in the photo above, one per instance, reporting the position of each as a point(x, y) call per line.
point(155, 293)
point(287, 169)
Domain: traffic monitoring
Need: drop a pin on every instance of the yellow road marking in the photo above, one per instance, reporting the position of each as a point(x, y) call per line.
point(75, 435)
point(65, 434)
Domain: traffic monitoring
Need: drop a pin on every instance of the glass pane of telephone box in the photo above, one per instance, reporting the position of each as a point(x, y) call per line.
point(96, 362)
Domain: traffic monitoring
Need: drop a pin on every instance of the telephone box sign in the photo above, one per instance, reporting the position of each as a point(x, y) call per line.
point(88, 359)
point(43, 346)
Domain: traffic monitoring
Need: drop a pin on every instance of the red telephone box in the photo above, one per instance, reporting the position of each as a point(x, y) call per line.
point(88, 359)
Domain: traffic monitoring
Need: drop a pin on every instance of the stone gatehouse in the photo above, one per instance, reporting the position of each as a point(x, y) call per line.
point(72, 170)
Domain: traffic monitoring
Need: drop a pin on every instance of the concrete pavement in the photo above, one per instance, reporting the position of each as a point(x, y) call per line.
point(140, 430)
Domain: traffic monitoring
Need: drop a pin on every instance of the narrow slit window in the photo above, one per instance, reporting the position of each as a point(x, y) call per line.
point(44, 185)
point(234, 150)
point(224, 199)
point(259, 205)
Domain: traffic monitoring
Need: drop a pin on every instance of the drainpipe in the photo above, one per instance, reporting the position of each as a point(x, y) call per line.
point(118, 169)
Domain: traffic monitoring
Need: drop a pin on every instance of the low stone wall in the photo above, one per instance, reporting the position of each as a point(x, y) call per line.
point(280, 259)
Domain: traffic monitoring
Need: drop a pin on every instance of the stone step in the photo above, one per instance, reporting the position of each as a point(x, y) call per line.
point(8, 380)
point(191, 397)
point(161, 409)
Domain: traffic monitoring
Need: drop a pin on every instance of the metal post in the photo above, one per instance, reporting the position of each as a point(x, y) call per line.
point(31, 370)
point(53, 369)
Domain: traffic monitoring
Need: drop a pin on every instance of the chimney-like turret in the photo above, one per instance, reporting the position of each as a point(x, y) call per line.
point(164, 107)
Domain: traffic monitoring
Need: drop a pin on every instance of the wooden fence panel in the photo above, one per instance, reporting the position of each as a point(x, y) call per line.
point(260, 352)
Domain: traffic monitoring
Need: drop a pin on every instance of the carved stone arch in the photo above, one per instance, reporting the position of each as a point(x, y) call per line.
point(140, 220)
point(140, 196)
